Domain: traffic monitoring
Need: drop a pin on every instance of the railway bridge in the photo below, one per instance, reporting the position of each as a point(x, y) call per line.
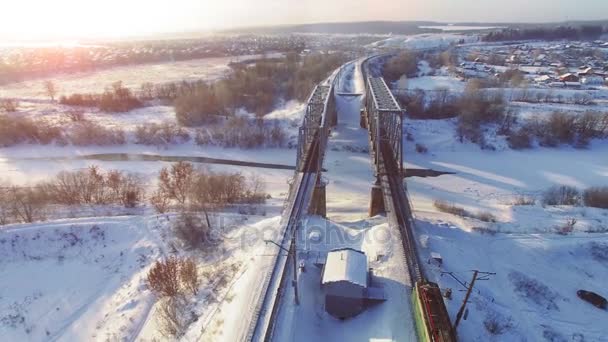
point(383, 118)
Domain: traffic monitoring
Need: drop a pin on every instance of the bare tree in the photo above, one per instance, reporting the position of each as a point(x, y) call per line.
point(9, 105)
point(51, 89)
point(176, 182)
point(163, 278)
point(28, 203)
point(171, 317)
point(190, 230)
point(189, 275)
point(160, 200)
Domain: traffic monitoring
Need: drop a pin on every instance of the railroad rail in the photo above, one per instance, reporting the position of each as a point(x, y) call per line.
point(384, 119)
point(312, 141)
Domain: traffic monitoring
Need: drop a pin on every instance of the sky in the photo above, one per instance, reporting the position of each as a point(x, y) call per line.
point(42, 19)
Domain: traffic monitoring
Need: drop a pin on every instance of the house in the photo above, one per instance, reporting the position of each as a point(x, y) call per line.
point(592, 80)
point(544, 79)
point(569, 77)
point(347, 283)
point(586, 72)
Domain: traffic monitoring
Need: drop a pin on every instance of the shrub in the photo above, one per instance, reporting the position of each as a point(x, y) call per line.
point(163, 278)
point(243, 133)
point(160, 200)
point(87, 133)
point(17, 130)
point(116, 98)
point(524, 200)
point(450, 208)
point(28, 203)
point(176, 182)
point(189, 275)
point(596, 197)
point(406, 63)
point(9, 105)
point(533, 290)
point(162, 134)
point(421, 149)
point(191, 231)
point(173, 317)
point(485, 217)
point(567, 227)
point(561, 195)
point(93, 186)
point(520, 139)
point(496, 324)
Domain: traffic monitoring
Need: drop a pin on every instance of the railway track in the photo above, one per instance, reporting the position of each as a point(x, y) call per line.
point(311, 151)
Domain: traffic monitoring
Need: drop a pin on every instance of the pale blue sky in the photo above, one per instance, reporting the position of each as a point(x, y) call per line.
point(38, 18)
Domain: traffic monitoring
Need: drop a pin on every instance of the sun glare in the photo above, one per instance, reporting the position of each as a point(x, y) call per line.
point(71, 19)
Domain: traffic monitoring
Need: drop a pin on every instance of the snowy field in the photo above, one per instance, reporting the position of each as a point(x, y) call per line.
point(423, 41)
point(132, 76)
point(532, 297)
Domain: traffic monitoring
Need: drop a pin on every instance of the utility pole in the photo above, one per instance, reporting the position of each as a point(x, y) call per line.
point(295, 270)
point(469, 290)
point(295, 265)
point(466, 298)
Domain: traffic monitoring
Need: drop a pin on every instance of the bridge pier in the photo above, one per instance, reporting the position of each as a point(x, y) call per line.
point(362, 120)
point(376, 204)
point(318, 206)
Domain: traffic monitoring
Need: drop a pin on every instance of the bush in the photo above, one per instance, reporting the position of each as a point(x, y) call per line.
point(533, 290)
point(567, 227)
point(524, 200)
point(561, 195)
point(18, 130)
point(117, 98)
point(520, 139)
point(163, 278)
point(191, 231)
point(243, 133)
point(173, 317)
point(189, 275)
point(450, 208)
point(421, 149)
point(93, 186)
point(406, 63)
point(596, 197)
point(87, 133)
point(162, 134)
point(9, 105)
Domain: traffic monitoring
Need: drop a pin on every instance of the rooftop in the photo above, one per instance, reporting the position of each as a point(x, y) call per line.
point(346, 264)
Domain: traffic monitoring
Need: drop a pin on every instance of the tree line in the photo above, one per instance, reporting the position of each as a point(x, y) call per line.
point(582, 32)
point(256, 88)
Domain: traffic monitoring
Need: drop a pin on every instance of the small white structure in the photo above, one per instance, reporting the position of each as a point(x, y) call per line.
point(346, 265)
point(347, 283)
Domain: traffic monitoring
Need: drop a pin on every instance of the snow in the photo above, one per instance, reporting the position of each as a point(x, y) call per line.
point(345, 265)
point(532, 296)
point(349, 175)
point(132, 76)
point(460, 27)
point(422, 41)
point(436, 82)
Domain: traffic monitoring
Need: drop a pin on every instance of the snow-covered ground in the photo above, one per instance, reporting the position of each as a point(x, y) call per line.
point(423, 41)
point(132, 76)
point(85, 279)
point(532, 296)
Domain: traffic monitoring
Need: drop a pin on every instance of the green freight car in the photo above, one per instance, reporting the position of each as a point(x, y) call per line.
point(432, 319)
